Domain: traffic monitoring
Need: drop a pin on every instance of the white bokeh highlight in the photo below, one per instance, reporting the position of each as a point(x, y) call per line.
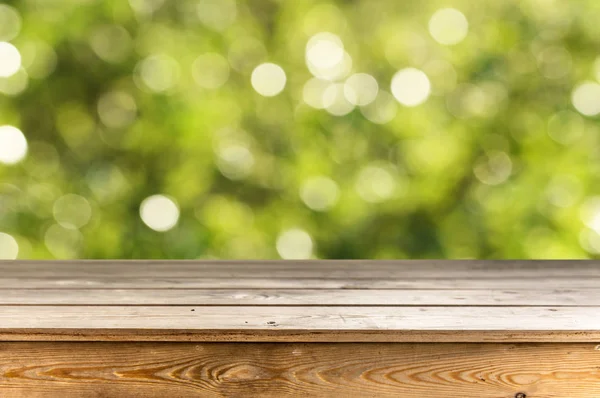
point(586, 98)
point(9, 248)
point(335, 101)
point(313, 92)
point(411, 87)
point(590, 213)
point(294, 244)
point(268, 79)
point(13, 145)
point(324, 50)
point(10, 59)
point(319, 193)
point(448, 26)
point(158, 73)
point(361, 89)
point(159, 213)
point(335, 73)
point(326, 58)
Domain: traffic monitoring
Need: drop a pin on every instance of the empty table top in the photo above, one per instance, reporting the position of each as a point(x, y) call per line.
point(302, 301)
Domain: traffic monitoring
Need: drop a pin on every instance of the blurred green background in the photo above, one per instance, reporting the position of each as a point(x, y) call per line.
point(299, 129)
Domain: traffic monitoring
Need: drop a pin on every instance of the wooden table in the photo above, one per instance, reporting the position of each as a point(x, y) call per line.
point(296, 329)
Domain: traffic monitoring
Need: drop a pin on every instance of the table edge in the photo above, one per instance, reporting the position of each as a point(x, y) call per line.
point(308, 336)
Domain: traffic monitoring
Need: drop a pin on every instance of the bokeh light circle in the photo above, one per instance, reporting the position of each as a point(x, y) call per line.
point(10, 22)
point(158, 73)
point(13, 145)
point(586, 98)
point(159, 212)
point(375, 184)
point(10, 59)
point(361, 89)
point(210, 71)
point(324, 50)
point(9, 248)
point(268, 79)
point(72, 211)
point(313, 92)
point(382, 110)
point(448, 26)
point(319, 193)
point(411, 87)
point(294, 244)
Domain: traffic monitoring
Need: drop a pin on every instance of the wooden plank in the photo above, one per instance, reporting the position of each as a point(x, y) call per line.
point(330, 269)
point(391, 321)
point(327, 297)
point(142, 282)
point(301, 275)
point(301, 336)
point(81, 370)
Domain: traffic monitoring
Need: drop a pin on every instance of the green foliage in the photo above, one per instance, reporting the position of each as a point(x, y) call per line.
point(118, 107)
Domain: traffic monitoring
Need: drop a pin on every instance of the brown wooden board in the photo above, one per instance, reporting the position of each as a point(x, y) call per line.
point(147, 370)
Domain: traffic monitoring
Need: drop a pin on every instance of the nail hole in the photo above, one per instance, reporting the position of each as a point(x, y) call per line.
point(521, 395)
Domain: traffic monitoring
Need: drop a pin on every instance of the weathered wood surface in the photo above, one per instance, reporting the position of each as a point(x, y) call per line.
point(73, 370)
point(391, 324)
point(378, 318)
point(392, 301)
point(302, 297)
point(452, 269)
point(182, 282)
point(394, 275)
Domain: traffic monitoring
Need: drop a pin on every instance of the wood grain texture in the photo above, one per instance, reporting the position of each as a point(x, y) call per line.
point(392, 275)
point(308, 300)
point(108, 329)
point(143, 282)
point(268, 323)
point(300, 336)
point(301, 297)
point(294, 318)
point(312, 269)
point(73, 370)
